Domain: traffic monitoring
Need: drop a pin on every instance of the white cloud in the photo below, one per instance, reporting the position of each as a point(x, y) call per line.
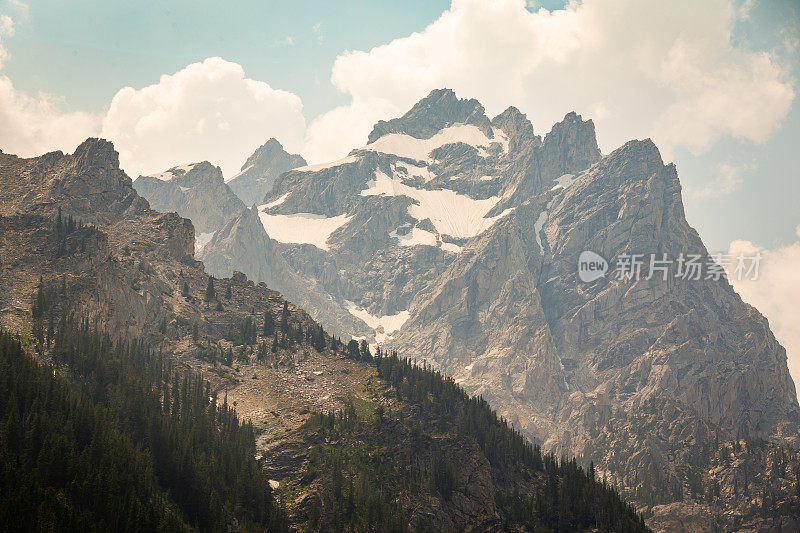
point(206, 111)
point(343, 128)
point(775, 294)
point(728, 179)
point(317, 30)
point(6, 31)
point(33, 125)
point(286, 42)
point(667, 70)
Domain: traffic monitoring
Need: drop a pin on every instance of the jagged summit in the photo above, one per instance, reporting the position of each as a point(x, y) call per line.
point(571, 144)
point(195, 191)
point(440, 109)
point(259, 172)
point(98, 153)
point(90, 176)
point(517, 126)
point(189, 172)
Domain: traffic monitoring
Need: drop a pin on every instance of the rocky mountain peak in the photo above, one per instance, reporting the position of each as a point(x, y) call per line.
point(635, 159)
point(258, 173)
point(98, 153)
point(269, 150)
point(202, 171)
point(196, 191)
point(517, 127)
point(440, 109)
point(570, 146)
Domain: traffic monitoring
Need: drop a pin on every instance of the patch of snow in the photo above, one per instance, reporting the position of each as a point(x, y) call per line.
point(184, 189)
point(186, 168)
point(403, 145)
point(245, 169)
point(415, 237)
point(563, 181)
point(537, 227)
point(469, 367)
point(278, 201)
point(163, 176)
point(314, 168)
point(451, 213)
point(384, 326)
point(488, 178)
point(302, 228)
point(201, 239)
point(274, 484)
point(174, 172)
point(500, 137)
point(450, 247)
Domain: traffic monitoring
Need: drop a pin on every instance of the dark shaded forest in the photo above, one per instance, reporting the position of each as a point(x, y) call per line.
point(123, 443)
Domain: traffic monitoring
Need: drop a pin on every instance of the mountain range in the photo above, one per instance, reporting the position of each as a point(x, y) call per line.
point(138, 391)
point(455, 238)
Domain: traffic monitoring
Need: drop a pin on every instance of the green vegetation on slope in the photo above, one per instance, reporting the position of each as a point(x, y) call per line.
point(368, 465)
point(127, 444)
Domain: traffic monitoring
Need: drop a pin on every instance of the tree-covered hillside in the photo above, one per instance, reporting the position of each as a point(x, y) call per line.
point(124, 443)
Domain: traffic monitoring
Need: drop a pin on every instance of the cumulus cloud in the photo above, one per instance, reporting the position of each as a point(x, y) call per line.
point(667, 70)
point(207, 110)
point(6, 31)
point(775, 293)
point(728, 179)
point(34, 124)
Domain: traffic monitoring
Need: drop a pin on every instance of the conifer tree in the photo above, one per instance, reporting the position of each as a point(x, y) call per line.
point(210, 292)
point(269, 324)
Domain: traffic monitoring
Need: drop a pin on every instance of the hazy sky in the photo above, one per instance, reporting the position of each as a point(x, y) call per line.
point(64, 62)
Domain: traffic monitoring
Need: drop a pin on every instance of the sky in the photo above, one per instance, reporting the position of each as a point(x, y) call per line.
point(713, 83)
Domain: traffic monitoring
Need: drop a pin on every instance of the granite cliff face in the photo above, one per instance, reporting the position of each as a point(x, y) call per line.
point(260, 170)
point(455, 239)
point(195, 191)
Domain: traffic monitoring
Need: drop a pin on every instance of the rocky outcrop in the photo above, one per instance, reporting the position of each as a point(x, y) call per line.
point(570, 147)
point(259, 172)
point(243, 245)
point(195, 191)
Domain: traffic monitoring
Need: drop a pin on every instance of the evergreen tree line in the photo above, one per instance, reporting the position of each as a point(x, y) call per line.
point(126, 444)
point(285, 334)
point(65, 226)
point(364, 471)
point(65, 462)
